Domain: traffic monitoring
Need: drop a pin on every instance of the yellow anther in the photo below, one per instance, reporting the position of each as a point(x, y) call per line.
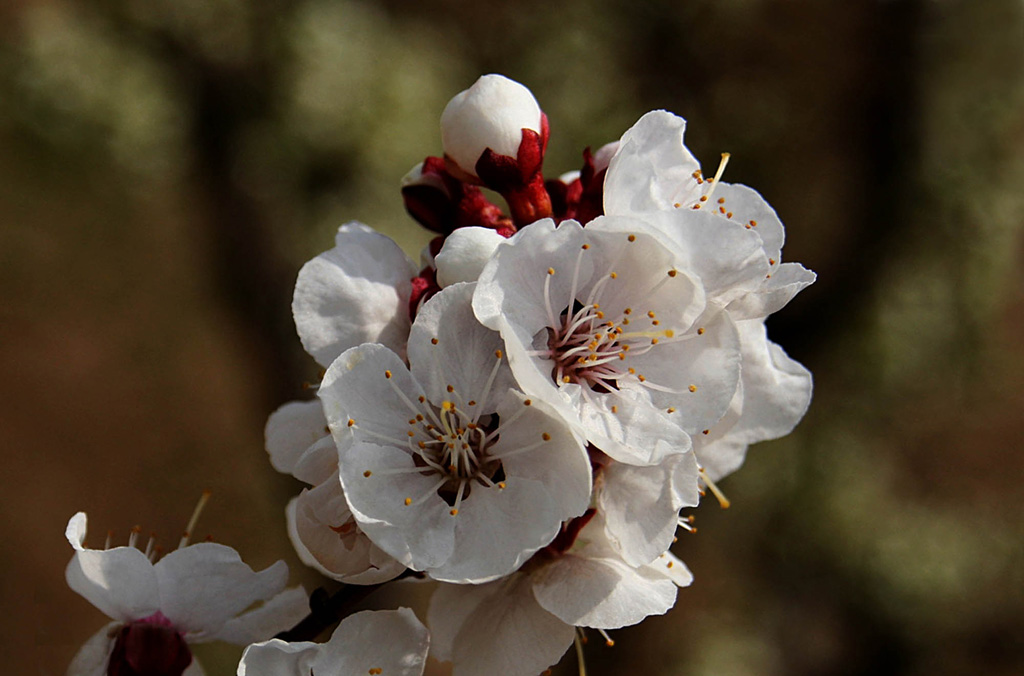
point(497, 353)
point(673, 273)
point(453, 512)
point(501, 485)
point(671, 409)
point(433, 341)
point(408, 501)
point(613, 275)
point(692, 388)
point(387, 374)
point(351, 422)
point(632, 238)
point(551, 271)
point(546, 436)
point(367, 473)
point(700, 331)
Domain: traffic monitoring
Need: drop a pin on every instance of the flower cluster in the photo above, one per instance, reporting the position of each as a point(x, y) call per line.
point(522, 416)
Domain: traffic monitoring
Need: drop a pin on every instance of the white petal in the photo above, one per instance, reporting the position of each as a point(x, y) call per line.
point(120, 582)
point(631, 431)
point(639, 511)
point(355, 293)
point(278, 658)
point(292, 429)
point(318, 463)
point(561, 463)
point(775, 395)
point(449, 348)
point(748, 208)
point(370, 386)
point(707, 360)
point(464, 254)
point(505, 631)
point(786, 281)
point(204, 585)
point(93, 658)
point(391, 642)
point(497, 529)
point(278, 614)
point(728, 258)
point(671, 567)
point(377, 483)
point(601, 593)
point(651, 167)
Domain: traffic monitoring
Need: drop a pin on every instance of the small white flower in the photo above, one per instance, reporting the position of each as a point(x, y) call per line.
point(385, 642)
point(606, 325)
point(194, 594)
point(491, 114)
point(444, 466)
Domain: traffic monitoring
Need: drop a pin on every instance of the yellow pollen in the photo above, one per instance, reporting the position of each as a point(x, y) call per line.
point(771, 261)
point(655, 322)
point(650, 313)
point(703, 198)
point(700, 331)
point(447, 405)
point(753, 224)
point(546, 436)
point(351, 422)
point(632, 371)
point(696, 206)
point(632, 238)
point(472, 402)
point(454, 512)
point(692, 388)
point(654, 341)
point(586, 246)
point(450, 388)
point(673, 273)
point(721, 210)
point(421, 398)
point(615, 409)
point(527, 402)
point(501, 485)
point(565, 379)
point(411, 433)
point(551, 271)
point(628, 311)
point(669, 564)
point(613, 275)
point(419, 416)
point(728, 214)
point(367, 473)
point(408, 501)
point(422, 444)
point(705, 431)
point(641, 378)
point(433, 341)
point(387, 374)
point(721, 200)
point(600, 315)
point(412, 421)
point(671, 409)
point(669, 333)
point(677, 205)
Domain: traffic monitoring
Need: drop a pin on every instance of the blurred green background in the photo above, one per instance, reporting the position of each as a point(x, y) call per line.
point(166, 166)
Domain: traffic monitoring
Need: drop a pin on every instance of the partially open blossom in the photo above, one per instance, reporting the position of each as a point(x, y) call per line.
point(444, 466)
point(490, 115)
point(357, 292)
point(194, 594)
point(385, 642)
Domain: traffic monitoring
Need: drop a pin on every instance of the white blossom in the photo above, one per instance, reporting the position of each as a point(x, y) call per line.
point(607, 325)
point(385, 642)
point(444, 466)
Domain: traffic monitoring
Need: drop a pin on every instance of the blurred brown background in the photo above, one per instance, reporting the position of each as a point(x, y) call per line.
point(166, 166)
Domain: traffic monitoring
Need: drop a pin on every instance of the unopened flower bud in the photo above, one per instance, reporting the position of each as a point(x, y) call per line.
point(491, 114)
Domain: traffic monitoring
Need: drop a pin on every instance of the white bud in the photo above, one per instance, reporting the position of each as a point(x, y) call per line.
point(603, 156)
point(490, 114)
point(464, 255)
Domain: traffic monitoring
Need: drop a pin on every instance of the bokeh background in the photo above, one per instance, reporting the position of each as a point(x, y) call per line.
point(166, 167)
